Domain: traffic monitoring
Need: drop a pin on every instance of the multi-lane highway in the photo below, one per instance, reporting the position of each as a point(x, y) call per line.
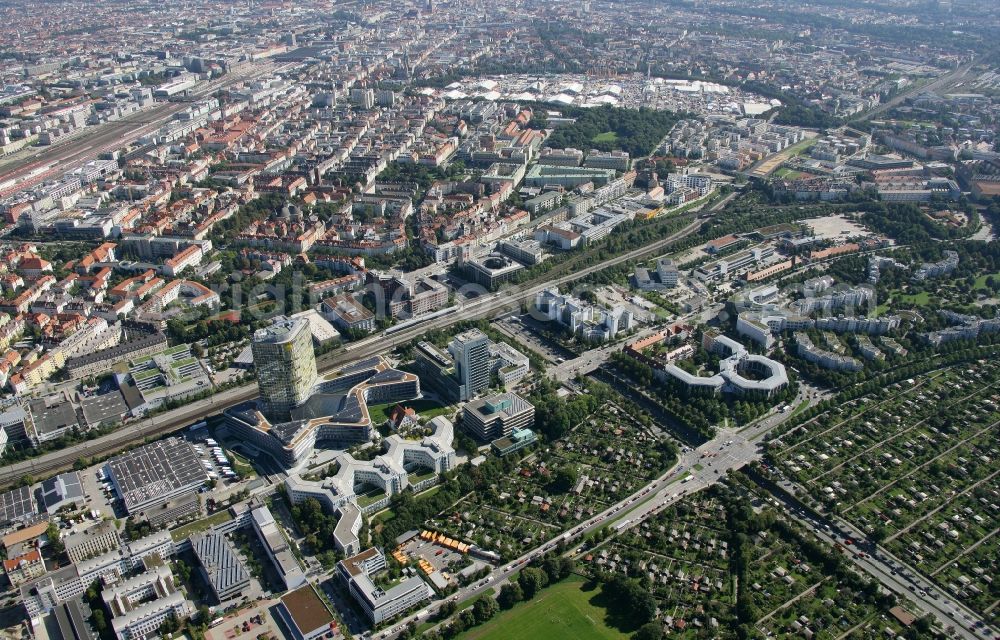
point(699, 468)
point(890, 571)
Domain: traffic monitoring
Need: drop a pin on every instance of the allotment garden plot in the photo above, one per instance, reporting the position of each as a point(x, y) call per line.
point(791, 593)
point(605, 459)
point(915, 466)
point(684, 555)
point(687, 557)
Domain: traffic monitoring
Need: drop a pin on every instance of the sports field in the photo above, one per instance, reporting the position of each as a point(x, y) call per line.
point(566, 611)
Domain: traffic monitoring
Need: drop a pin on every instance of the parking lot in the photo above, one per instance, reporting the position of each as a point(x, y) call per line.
point(255, 622)
point(445, 558)
point(217, 462)
point(438, 556)
point(97, 497)
point(531, 333)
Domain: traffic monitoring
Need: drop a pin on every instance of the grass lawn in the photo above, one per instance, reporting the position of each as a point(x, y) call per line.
point(799, 148)
point(920, 299)
point(424, 407)
point(566, 611)
point(417, 478)
point(788, 174)
point(242, 465)
point(607, 136)
point(981, 280)
point(204, 524)
point(802, 407)
point(368, 497)
point(426, 626)
point(661, 313)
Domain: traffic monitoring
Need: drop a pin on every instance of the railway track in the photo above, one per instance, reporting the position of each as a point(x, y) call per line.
point(163, 424)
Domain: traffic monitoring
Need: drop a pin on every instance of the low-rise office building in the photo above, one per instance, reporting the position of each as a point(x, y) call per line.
point(740, 372)
point(492, 270)
point(509, 365)
point(664, 277)
point(277, 548)
point(62, 490)
point(150, 477)
point(219, 565)
point(379, 605)
point(524, 251)
point(305, 614)
point(92, 541)
point(518, 439)
point(497, 416)
point(391, 472)
point(347, 313)
point(587, 320)
point(140, 605)
point(43, 594)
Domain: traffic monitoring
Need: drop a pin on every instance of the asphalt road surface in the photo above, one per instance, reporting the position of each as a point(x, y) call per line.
point(92, 141)
point(695, 470)
point(893, 573)
point(942, 82)
point(484, 307)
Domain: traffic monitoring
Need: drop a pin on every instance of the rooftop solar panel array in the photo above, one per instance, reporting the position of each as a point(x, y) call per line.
point(16, 504)
point(389, 375)
point(360, 365)
point(66, 486)
point(286, 432)
point(351, 411)
point(156, 472)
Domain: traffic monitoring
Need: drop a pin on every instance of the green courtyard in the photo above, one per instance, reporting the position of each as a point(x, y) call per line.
point(425, 408)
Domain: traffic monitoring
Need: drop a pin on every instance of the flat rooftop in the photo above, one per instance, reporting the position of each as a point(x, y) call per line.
point(306, 609)
point(155, 471)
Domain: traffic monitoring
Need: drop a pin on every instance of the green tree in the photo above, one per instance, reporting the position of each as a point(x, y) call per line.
point(564, 479)
point(532, 581)
point(510, 594)
point(484, 609)
point(55, 542)
point(644, 606)
point(557, 568)
point(100, 623)
point(468, 618)
point(649, 631)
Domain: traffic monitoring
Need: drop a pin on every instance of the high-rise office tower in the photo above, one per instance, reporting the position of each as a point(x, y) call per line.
point(471, 351)
point(286, 366)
